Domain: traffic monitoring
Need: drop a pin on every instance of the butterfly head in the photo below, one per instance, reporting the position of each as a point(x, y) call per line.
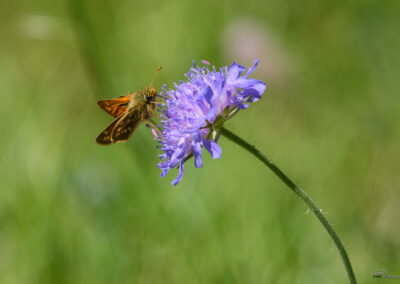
point(150, 94)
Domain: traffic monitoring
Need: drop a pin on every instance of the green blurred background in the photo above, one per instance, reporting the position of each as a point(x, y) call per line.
point(72, 211)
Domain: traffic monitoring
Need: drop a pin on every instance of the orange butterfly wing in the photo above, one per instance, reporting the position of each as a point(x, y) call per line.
point(116, 107)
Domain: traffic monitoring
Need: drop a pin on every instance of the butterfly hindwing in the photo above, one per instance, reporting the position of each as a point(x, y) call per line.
point(120, 129)
point(104, 138)
point(126, 126)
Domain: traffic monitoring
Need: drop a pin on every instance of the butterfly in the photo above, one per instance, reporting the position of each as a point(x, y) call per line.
point(128, 112)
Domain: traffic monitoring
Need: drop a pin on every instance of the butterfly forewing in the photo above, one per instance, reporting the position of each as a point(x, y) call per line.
point(116, 107)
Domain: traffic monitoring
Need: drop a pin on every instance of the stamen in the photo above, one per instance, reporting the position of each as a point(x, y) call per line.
point(154, 133)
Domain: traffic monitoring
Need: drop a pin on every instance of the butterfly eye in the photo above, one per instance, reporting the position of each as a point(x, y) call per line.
point(147, 97)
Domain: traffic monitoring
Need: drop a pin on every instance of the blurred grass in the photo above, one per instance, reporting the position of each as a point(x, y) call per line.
point(74, 212)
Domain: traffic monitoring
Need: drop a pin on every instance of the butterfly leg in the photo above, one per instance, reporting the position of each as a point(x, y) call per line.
point(154, 126)
point(157, 116)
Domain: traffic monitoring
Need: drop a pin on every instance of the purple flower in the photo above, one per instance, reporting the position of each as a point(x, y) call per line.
point(196, 109)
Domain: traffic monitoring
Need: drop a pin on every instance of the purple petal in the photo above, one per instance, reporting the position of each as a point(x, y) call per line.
point(208, 94)
point(213, 148)
point(180, 175)
point(238, 101)
point(178, 154)
point(202, 105)
point(196, 149)
point(197, 124)
point(244, 83)
point(211, 114)
point(251, 69)
point(234, 71)
point(252, 93)
point(253, 99)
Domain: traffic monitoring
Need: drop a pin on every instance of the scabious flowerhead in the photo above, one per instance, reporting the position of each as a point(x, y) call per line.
point(195, 110)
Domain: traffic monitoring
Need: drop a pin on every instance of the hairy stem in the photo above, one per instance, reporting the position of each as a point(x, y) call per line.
point(299, 192)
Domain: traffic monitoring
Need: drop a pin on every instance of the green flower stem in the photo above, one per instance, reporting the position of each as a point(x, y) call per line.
point(301, 193)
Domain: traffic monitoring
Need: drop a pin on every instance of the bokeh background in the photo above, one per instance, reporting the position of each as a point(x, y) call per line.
point(72, 211)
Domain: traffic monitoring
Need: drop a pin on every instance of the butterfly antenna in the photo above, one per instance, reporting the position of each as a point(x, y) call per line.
point(155, 75)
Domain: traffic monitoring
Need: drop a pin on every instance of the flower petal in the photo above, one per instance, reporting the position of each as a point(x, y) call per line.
point(180, 175)
point(208, 94)
point(211, 114)
point(234, 72)
point(196, 149)
point(253, 95)
point(244, 83)
point(213, 148)
point(251, 69)
point(178, 154)
point(238, 101)
point(164, 172)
